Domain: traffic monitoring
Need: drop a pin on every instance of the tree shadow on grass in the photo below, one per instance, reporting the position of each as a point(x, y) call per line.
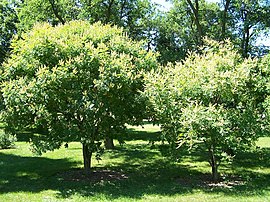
point(158, 179)
point(36, 174)
point(30, 174)
point(147, 173)
point(132, 134)
point(255, 158)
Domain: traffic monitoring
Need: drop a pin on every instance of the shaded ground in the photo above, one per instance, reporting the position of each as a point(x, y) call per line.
point(79, 175)
point(133, 171)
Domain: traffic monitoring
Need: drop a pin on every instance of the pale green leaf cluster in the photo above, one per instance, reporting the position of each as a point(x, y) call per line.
point(74, 82)
point(212, 99)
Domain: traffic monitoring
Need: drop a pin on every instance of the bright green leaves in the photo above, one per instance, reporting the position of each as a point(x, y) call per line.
point(74, 82)
point(210, 99)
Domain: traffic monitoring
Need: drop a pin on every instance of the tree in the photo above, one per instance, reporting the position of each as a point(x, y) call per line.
point(74, 82)
point(183, 27)
point(132, 15)
point(52, 11)
point(252, 22)
point(264, 80)
point(8, 20)
point(212, 100)
point(129, 14)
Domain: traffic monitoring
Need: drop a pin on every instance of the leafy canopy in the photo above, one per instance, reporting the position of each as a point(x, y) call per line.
point(74, 82)
point(213, 99)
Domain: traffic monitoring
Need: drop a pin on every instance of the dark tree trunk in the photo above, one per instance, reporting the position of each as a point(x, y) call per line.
point(56, 11)
point(224, 19)
point(109, 11)
point(195, 10)
point(246, 43)
point(214, 164)
point(246, 31)
point(215, 175)
point(109, 143)
point(87, 154)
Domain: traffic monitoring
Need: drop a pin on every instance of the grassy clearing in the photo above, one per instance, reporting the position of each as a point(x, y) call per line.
point(149, 176)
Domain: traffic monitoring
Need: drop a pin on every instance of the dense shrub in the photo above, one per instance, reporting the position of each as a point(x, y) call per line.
point(7, 141)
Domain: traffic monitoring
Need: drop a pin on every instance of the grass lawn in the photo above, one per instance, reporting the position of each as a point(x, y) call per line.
point(135, 171)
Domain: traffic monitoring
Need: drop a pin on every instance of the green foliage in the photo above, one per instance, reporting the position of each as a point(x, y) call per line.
point(264, 81)
point(137, 172)
point(8, 20)
point(211, 99)
point(183, 27)
point(74, 82)
point(131, 15)
point(53, 11)
point(7, 141)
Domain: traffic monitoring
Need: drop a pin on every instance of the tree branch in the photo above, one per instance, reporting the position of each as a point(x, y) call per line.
point(56, 12)
point(195, 11)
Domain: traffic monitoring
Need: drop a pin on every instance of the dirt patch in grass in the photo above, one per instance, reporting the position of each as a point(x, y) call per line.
point(205, 181)
point(95, 176)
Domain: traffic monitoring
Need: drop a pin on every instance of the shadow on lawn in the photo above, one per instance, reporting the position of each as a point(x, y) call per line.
point(32, 174)
point(133, 134)
point(36, 174)
point(147, 173)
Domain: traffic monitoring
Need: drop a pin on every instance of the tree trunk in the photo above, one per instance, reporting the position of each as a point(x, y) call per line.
point(109, 11)
point(246, 31)
point(87, 154)
point(246, 46)
point(214, 164)
point(224, 19)
point(195, 10)
point(109, 143)
point(215, 175)
point(56, 12)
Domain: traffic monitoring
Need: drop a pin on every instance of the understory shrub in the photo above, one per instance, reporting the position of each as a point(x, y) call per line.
point(7, 141)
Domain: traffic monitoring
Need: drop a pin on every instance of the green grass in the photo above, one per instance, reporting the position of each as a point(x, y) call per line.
point(150, 176)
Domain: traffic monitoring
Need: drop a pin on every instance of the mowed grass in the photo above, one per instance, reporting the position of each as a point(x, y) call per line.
point(149, 173)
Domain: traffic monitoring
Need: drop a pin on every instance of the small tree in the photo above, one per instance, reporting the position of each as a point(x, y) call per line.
point(7, 141)
point(74, 82)
point(212, 99)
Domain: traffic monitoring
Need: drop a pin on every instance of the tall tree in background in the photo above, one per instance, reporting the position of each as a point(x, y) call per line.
point(173, 33)
point(129, 14)
point(243, 22)
point(52, 11)
point(253, 20)
point(8, 20)
point(183, 27)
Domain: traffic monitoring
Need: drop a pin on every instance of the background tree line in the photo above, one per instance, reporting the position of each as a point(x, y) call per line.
point(172, 33)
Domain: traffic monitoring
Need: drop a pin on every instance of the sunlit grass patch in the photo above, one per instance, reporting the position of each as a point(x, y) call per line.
point(133, 171)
